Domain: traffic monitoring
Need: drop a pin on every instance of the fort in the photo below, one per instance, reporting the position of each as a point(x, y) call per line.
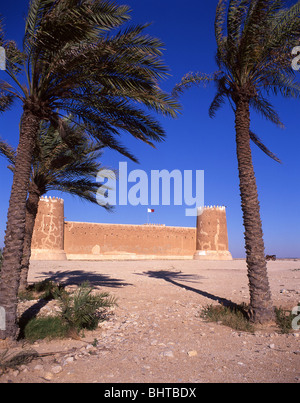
point(57, 239)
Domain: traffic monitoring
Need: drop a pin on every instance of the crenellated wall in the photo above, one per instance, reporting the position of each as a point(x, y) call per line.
point(128, 240)
point(56, 239)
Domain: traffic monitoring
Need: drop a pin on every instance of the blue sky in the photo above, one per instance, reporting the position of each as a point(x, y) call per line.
point(194, 141)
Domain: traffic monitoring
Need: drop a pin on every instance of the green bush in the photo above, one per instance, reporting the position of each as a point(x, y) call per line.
point(80, 310)
point(233, 316)
point(51, 327)
point(284, 319)
point(46, 289)
point(83, 309)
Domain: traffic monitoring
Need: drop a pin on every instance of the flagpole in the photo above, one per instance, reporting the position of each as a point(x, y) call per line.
point(149, 211)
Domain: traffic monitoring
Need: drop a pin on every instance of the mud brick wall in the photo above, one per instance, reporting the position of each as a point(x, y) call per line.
point(88, 238)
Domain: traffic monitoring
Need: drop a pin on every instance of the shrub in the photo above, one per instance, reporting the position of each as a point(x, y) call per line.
point(79, 310)
point(46, 290)
point(284, 319)
point(14, 358)
point(233, 316)
point(83, 309)
point(51, 327)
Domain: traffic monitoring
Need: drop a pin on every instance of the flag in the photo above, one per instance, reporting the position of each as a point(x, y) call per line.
point(150, 210)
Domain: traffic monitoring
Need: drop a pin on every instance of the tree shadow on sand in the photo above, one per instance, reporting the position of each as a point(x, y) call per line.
point(76, 277)
point(174, 277)
point(67, 278)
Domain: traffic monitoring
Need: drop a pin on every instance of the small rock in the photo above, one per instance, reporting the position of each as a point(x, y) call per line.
point(192, 353)
point(296, 334)
point(38, 368)
point(168, 353)
point(272, 346)
point(48, 376)
point(68, 360)
point(153, 343)
point(56, 369)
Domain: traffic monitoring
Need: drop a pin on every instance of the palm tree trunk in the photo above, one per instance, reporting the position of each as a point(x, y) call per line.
point(31, 213)
point(15, 229)
point(261, 308)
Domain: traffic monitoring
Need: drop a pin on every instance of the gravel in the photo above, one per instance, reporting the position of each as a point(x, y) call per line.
point(156, 335)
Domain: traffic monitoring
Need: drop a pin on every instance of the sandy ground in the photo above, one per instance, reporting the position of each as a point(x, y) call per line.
point(156, 334)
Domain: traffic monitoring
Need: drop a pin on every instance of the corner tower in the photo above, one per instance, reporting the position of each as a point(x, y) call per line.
point(48, 235)
point(212, 236)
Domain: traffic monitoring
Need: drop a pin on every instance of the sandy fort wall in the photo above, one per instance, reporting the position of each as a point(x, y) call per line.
point(48, 235)
point(96, 240)
point(57, 239)
point(212, 234)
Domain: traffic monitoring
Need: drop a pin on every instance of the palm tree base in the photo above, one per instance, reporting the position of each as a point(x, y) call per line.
point(262, 316)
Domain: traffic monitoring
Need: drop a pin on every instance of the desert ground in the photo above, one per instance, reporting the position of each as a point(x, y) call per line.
point(156, 334)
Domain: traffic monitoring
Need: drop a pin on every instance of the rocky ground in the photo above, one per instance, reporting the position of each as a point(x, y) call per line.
point(156, 334)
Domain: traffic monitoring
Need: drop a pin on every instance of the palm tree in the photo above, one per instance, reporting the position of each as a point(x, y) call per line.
point(75, 64)
point(254, 43)
point(67, 167)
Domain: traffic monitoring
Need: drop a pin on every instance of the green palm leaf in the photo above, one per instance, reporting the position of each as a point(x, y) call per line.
point(254, 41)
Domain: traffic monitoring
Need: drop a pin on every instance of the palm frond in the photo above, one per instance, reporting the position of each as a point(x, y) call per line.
point(264, 107)
point(281, 82)
point(220, 22)
point(7, 151)
point(190, 80)
point(256, 140)
point(70, 167)
point(216, 104)
point(6, 99)
point(286, 26)
point(14, 58)
point(82, 68)
point(236, 16)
